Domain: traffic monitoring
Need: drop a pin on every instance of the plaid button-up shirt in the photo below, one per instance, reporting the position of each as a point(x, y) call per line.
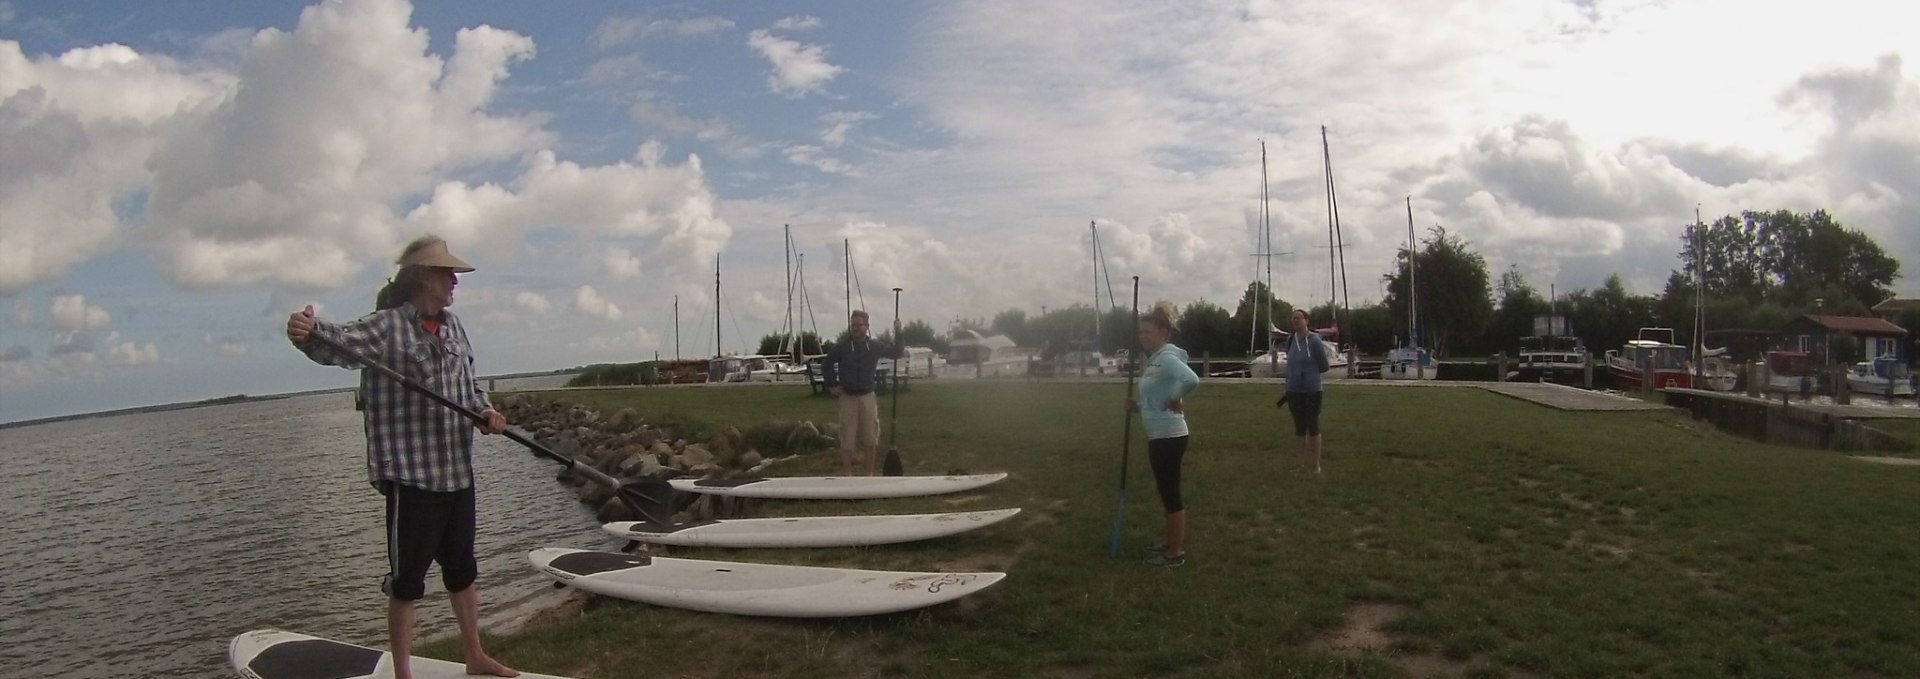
point(411, 440)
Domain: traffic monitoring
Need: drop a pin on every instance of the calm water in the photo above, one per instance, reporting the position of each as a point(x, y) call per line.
point(138, 545)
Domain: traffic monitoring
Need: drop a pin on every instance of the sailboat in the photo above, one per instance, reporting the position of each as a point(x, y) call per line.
point(1410, 362)
point(1086, 356)
point(1272, 362)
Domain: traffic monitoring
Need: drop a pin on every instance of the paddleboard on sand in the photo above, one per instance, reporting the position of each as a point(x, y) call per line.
point(836, 487)
point(276, 654)
point(742, 588)
point(811, 531)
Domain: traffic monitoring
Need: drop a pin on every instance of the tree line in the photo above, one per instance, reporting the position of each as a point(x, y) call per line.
point(1758, 271)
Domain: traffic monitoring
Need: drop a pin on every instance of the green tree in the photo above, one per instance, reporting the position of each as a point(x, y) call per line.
point(918, 333)
point(1372, 328)
point(1274, 312)
point(1455, 297)
point(1207, 328)
point(1513, 318)
point(810, 344)
point(1013, 324)
point(1786, 257)
point(1606, 318)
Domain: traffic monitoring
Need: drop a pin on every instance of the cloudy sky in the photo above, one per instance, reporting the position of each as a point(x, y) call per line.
point(174, 181)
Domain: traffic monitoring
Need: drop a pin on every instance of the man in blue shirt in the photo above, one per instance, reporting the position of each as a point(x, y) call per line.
point(849, 371)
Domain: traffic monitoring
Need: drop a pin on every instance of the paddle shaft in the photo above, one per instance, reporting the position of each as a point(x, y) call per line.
point(1133, 368)
point(893, 466)
point(899, 359)
point(477, 418)
point(1126, 431)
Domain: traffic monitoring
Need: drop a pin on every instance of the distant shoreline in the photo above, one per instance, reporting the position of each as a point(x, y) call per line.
point(236, 398)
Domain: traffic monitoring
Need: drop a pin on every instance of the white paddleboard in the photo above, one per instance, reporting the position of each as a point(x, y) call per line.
point(742, 588)
point(836, 487)
point(276, 654)
point(812, 531)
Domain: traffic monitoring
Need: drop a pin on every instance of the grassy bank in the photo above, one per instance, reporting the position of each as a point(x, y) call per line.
point(1455, 531)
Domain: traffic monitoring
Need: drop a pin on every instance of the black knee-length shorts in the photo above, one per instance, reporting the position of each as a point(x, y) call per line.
point(424, 527)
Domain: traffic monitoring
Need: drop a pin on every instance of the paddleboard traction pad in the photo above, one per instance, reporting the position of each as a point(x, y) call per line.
point(314, 659)
point(589, 563)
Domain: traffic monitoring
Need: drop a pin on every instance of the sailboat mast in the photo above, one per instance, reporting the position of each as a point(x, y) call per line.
point(1699, 296)
point(1093, 245)
point(1266, 231)
point(1339, 234)
point(787, 231)
point(1413, 310)
point(716, 307)
point(847, 271)
point(1266, 249)
point(1333, 243)
point(676, 327)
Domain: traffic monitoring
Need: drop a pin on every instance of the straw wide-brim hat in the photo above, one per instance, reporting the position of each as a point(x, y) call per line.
point(434, 253)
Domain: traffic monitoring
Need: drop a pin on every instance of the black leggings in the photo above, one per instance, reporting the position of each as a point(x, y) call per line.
point(424, 527)
point(1305, 406)
point(1164, 456)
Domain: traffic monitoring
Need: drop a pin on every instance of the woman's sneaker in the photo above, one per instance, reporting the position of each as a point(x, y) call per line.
point(1165, 561)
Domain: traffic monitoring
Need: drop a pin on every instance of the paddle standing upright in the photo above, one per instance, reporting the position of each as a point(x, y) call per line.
point(1126, 434)
point(893, 466)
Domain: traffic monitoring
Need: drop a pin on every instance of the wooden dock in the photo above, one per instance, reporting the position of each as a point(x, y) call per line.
point(1563, 397)
point(1847, 412)
point(1811, 425)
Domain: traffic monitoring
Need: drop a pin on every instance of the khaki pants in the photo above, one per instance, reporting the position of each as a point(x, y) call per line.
point(859, 424)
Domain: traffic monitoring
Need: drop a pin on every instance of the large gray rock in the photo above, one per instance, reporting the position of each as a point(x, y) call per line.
point(613, 510)
point(696, 455)
point(804, 436)
point(623, 421)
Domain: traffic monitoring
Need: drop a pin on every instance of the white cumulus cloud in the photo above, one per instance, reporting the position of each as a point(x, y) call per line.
point(532, 302)
point(588, 301)
point(73, 313)
point(132, 353)
point(798, 68)
point(799, 22)
point(291, 164)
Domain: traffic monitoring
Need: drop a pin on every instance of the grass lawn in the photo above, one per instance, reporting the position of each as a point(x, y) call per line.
point(1455, 531)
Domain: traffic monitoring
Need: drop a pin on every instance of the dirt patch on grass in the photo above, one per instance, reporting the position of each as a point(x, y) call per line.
point(1528, 483)
point(1575, 501)
point(1580, 540)
point(1365, 629)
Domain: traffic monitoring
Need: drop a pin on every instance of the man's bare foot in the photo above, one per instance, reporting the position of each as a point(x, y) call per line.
point(490, 667)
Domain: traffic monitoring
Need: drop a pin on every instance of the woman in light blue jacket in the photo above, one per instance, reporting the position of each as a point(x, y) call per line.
point(1166, 381)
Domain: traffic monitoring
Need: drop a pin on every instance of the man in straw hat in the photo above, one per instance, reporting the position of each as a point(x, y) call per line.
point(419, 454)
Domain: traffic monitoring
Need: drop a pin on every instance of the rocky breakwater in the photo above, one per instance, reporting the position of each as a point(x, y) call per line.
point(624, 445)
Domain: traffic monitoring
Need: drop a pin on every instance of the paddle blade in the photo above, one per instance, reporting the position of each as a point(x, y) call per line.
point(650, 500)
point(892, 466)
